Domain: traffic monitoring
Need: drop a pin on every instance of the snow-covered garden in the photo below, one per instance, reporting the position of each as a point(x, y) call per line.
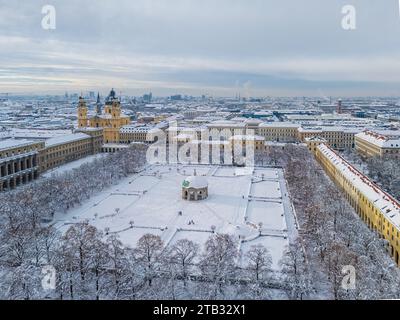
point(246, 204)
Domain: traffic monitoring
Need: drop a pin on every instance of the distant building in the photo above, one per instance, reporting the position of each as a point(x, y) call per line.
point(313, 143)
point(373, 144)
point(279, 131)
point(339, 109)
point(64, 149)
point(22, 160)
point(19, 162)
point(147, 97)
point(176, 97)
point(129, 134)
point(111, 120)
point(336, 137)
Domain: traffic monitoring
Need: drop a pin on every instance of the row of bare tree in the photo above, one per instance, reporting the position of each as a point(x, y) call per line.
point(88, 264)
point(334, 237)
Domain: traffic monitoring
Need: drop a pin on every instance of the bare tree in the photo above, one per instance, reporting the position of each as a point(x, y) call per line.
point(147, 255)
point(218, 263)
point(182, 255)
point(258, 270)
point(295, 276)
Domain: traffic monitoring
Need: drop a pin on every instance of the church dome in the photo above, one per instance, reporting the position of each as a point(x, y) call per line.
point(111, 96)
point(195, 182)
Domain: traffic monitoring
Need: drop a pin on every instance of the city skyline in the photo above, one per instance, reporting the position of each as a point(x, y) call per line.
point(268, 48)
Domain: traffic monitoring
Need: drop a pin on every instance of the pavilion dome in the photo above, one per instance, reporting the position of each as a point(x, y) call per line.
point(196, 182)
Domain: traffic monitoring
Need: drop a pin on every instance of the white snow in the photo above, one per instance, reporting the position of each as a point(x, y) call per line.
point(151, 202)
point(270, 214)
point(66, 138)
point(14, 143)
point(196, 182)
point(71, 165)
point(266, 189)
point(275, 246)
point(382, 140)
point(382, 201)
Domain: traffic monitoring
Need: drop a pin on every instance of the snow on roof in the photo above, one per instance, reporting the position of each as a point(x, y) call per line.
point(135, 129)
point(14, 143)
point(386, 204)
point(315, 138)
point(252, 121)
point(37, 133)
point(115, 145)
point(330, 129)
point(379, 139)
point(66, 139)
point(5, 134)
point(279, 125)
point(225, 123)
point(90, 129)
point(196, 182)
point(248, 137)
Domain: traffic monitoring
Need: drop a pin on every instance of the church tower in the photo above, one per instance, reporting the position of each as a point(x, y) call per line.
point(82, 113)
point(113, 109)
point(110, 121)
point(98, 105)
point(116, 109)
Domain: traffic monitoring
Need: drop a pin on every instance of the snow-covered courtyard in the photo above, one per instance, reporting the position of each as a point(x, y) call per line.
point(250, 204)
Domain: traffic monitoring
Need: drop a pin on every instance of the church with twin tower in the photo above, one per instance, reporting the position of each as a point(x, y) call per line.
point(110, 119)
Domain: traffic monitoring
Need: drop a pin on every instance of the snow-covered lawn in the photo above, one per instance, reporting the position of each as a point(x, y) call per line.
point(266, 189)
point(266, 173)
point(134, 234)
point(269, 213)
point(275, 246)
point(150, 202)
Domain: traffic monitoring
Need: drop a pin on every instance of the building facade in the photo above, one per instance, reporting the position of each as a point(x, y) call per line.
point(279, 131)
point(129, 134)
point(379, 210)
point(337, 138)
point(194, 188)
point(373, 144)
point(111, 120)
point(19, 162)
point(64, 149)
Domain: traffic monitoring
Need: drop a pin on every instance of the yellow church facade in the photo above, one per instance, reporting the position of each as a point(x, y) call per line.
point(110, 119)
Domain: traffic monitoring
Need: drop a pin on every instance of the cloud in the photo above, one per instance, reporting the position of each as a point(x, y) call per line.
point(253, 46)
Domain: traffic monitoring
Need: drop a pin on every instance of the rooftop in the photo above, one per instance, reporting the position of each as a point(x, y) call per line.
point(196, 182)
point(279, 124)
point(66, 139)
point(386, 204)
point(379, 139)
point(14, 143)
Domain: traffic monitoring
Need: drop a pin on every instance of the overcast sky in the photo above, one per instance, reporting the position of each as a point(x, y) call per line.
point(216, 47)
